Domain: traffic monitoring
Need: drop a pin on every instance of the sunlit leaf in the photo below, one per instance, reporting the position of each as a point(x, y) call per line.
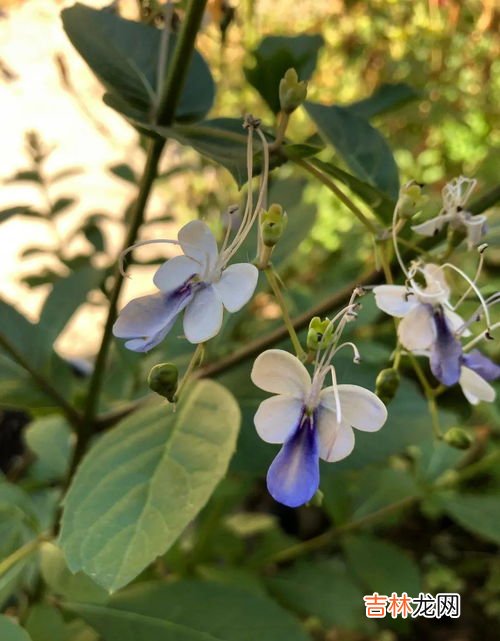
point(143, 482)
point(386, 98)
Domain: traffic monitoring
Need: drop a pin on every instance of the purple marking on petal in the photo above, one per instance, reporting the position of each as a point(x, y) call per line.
point(293, 477)
point(446, 352)
point(482, 365)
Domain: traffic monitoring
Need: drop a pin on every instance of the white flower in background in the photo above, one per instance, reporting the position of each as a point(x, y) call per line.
point(427, 321)
point(455, 196)
point(199, 282)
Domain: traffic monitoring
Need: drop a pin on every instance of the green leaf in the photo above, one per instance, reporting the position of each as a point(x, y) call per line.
point(45, 623)
point(321, 589)
point(61, 204)
point(65, 298)
point(125, 172)
point(23, 210)
point(386, 98)
point(62, 582)
point(477, 514)
point(144, 481)
point(124, 55)
point(10, 631)
point(361, 146)
point(25, 175)
point(50, 440)
point(224, 141)
point(94, 235)
point(189, 611)
point(381, 204)
point(274, 56)
point(381, 566)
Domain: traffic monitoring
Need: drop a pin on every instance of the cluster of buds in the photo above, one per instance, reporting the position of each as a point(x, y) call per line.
point(411, 200)
point(292, 92)
point(320, 334)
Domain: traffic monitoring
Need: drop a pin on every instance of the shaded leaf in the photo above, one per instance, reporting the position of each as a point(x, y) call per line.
point(23, 210)
point(477, 514)
point(11, 631)
point(45, 623)
point(125, 172)
point(124, 55)
point(61, 204)
point(361, 146)
point(190, 611)
point(386, 98)
point(142, 483)
point(50, 440)
point(274, 56)
point(25, 175)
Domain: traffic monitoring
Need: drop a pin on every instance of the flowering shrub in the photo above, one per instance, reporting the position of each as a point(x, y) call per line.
point(138, 510)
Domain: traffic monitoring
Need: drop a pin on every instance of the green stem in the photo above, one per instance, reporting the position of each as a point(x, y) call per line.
point(280, 131)
point(319, 542)
point(22, 553)
point(196, 358)
point(311, 169)
point(273, 282)
point(169, 99)
point(69, 412)
point(430, 395)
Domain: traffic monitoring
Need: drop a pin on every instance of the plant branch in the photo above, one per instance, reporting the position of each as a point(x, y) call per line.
point(69, 412)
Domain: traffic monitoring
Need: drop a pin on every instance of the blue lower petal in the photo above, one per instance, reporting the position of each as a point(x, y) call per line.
point(446, 352)
point(482, 365)
point(293, 477)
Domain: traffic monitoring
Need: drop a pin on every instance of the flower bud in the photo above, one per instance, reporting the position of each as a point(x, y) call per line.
point(411, 199)
point(163, 379)
point(319, 334)
point(292, 92)
point(458, 438)
point(273, 224)
point(387, 384)
point(317, 499)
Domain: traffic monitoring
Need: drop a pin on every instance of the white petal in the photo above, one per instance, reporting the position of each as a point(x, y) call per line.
point(279, 372)
point(277, 418)
point(475, 388)
point(237, 285)
point(203, 316)
point(359, 407)
point(455, 322)
point(417, 330)
point(432, 226)
point(436, 290)
point(394, 300)
point(475, 229)
point(198, 242)
point(335, 441)
point(174, 273)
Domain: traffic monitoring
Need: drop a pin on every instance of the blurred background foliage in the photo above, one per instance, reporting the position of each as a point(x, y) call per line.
point(401, 513)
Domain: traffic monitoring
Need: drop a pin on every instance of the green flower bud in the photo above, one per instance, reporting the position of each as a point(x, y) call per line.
point(273, 224)
point(319, 334)
point(163, 379)
point(458, 438)
point(317, 499)
point(387, 384)
point(292, 92)
point(411, 199)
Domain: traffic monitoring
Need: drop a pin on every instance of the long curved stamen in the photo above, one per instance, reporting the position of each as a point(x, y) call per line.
point(481, 249)
point(475, 288)
point(486, 334)
point(394, 232)
point(476, 314)
point(357, 357)
point(155, 241)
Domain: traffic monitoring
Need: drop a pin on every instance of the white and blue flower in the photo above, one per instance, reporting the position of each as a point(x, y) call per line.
point(311, 423)
point(199, 283)
point(475, 375)
point(428, 323)
point(453, 213)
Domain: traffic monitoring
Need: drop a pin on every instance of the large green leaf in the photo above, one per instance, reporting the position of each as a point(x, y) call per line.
point(10, 631)
point(190, 611)
point(386, 98)
point(478, 514)
point(381, 566)
point(222, 140)
point(360, 145)
point(124, 56)
point(274, 56)
point(322, 589)
point(144, 481)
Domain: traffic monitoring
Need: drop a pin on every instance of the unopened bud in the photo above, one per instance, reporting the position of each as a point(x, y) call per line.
point(319, 334)
point(273, 224)
point(411, 199)
point(317, 499)
point(292, 92)
point(458, 438)
point(163, 379)
point(387, 384)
